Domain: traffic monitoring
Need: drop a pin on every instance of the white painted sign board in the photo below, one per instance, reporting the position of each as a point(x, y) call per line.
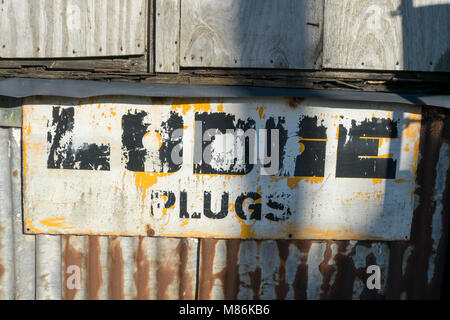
point(320, 169)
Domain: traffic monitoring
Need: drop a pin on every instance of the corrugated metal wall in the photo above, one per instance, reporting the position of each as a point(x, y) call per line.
point(35, 267)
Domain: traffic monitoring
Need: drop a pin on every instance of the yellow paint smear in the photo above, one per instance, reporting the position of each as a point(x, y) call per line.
point(261, 112)
point(292, 182)
point(312, 233)
point(145, 180)
point(58, 222)
point(307, 139)
point(380, 156)
point(246, 230)
point(377, 181)
point(29, 226)
point(185, 222)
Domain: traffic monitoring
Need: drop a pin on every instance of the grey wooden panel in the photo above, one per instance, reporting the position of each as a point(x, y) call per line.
point(387, 34)
point(167, 32)
point(72, 28)
point(251, 33)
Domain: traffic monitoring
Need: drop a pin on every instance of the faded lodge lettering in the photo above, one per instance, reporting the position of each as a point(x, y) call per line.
point(61, 151)
point(227, 145)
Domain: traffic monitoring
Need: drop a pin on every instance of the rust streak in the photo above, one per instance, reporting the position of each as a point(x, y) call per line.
point(116, 281)
point(207, 278)
point(282, 287)
point(300, 284)
point(185, 277)
point(141, 276)
point(74, 257)
point(94, 277)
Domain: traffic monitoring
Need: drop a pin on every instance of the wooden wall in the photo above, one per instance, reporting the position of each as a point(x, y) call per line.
point(383, 35)
point(72, 28)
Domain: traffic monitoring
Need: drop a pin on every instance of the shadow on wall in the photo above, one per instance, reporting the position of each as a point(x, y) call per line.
point(423, 34)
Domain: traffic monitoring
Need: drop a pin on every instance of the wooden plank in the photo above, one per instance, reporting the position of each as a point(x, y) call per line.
point(124, 64)
point(251, 33)
point(167, 31)
point(72, 28)
point(387, 35)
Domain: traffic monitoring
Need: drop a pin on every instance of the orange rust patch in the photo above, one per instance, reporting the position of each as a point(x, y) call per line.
point(150, 232)
point(400, 180)
point(116, 274)
point(94, 277)
point(73, 257)
point(293, 103)
point(141, 276)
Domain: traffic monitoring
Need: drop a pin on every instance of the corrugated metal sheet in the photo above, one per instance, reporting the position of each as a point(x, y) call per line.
point(111, 267)
point(302, 269)
point(149, 268)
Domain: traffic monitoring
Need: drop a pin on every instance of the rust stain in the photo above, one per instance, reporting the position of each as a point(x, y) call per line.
point(165, 275)
point(15, 173)
point(282, 287)
point(71, 256)
point(300, 284)
point(116, 281)
point(94, 278)
point(150, 232)
point(141, 276)
point(255, 281)
point(293, 103)
point(2, 270)
point(185, 277)
point(327, 271)
point(207, 277)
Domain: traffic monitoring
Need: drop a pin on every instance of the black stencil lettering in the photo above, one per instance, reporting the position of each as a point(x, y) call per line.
point(311, 163)
point(222, 122)
point(175, 122)
point(351, 147)
point(133, 130)
point(62, 155)
point(278, 202)
point(255, 207)
point(282, 135)
point(207, 206)
point(167, 204)
point(183, 207)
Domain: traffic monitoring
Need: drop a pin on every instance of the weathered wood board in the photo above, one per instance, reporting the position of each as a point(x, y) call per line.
point(167, 32)
point(387, 35)
point(251, 33)
point(174, 167)
point(72, 28)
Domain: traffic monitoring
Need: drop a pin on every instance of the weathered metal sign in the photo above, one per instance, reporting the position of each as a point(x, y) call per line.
point(226, 168)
